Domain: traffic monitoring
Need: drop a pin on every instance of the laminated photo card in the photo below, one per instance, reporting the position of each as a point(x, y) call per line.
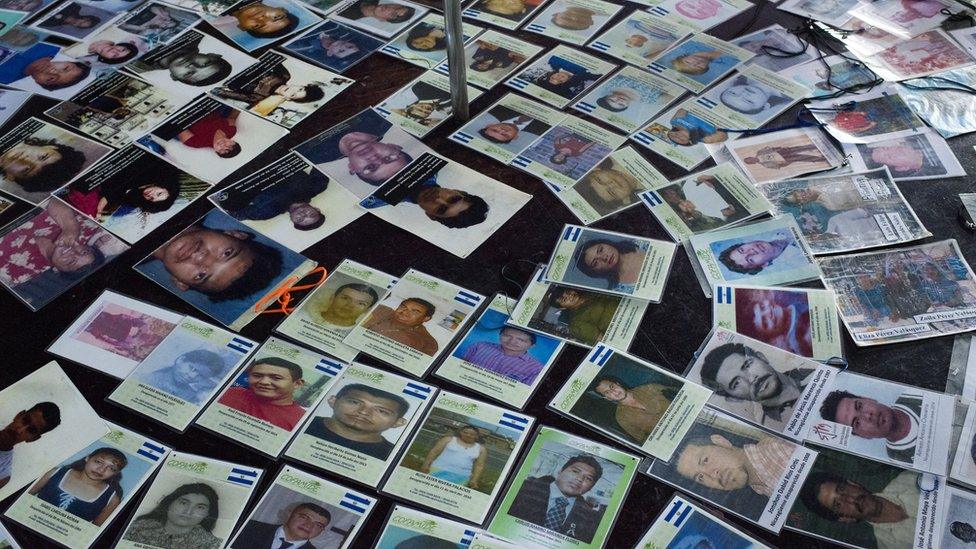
point(629, 99)
point(565, 494)
point(801, 321)
point(271, 396)
point(641, 36)
point(423, 104)
point(831, 12)
point(904, 294)
point(203, 7)
point(927, 53)
point(751, 97)
point(425, 43)
point(784, 154)
point(567, 151)
point(49, 249)
point(75, 502)
point(116, 109)
point(174, 382)
point(878, 115)
point(573, 21)
point(223, 268)
point(560, 76)
point(254, 24)
point(115, 333)
point(841, 213)
point(957, 528)
point(578, 316)
point(704, 201)
point(856, 502)
point(484, 540)
point(615, 263)
point(444, 202)
point(157, 22)
point(507, 14)
point(290, 202)
point(191, 64)
point(459, 458)
point(611, 186)
point(46, 420)
point(686, 134)
point(411, 326)
point(406, 527)
point(760, 476)
point(324, 318)
point(200, 497)
point(132, 192)
point(682, 523)
point(333, 45)
point(7, 540)
point(922, 156)
point(385, 19)
point(37, 158)
point(362, 424)
point(699, 61)
point(843, 73)
point(768, 386)
point(946, 111)
point(631, 400)
point(771, 252)
point(768, 44)
point(905, 20)
point(701, 14)
point(74, 20)
point(211, 140)
point(109, 50)
point(281, 88)
point(508, 127)
point(500, 361)
point(963, 466)
point(492, 57)
point(885, 421)
point(10, 103)
point(44, 69)
point(308, 511)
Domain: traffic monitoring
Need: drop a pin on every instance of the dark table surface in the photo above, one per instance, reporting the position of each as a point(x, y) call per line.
point(669, 334)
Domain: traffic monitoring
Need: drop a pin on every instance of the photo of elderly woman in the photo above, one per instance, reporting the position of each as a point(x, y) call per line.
point(51, 249)
point(610, 186)
point(182, 519)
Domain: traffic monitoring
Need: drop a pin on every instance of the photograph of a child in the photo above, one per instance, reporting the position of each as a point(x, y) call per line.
point(186, 367)
point(43, 69)
point(333, 45)
point(123, 331)
point(461, 450)
point(507, 351)
point(93, 483)
point(567, 152)
point(303, 522)
point(252, 24)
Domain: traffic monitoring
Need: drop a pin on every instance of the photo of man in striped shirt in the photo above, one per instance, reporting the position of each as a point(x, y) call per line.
point(509, 357)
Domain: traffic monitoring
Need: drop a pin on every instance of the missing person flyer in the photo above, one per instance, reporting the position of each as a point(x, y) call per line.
point(615, 263)
point(612, 186)
point(762, 475)
point(684, 524)
point(306, 508)
point(567, 151)
point(508, 127)
point(415, 322)
point(885, 421)
point(199, 496)
point(560, 76)
point(769, 95)
point(423, 104)
point(565, 494)
point(628, 99)
point(179, 377)
point(641, 36)
point(492, 57)
point(699, 62)
point(460, 456)
point(425, 43)
point(578, 316)
point(500, 361)
point(761, 383)
point(63, 507)
point(802, 321)
point(573, 21)
point(334, 308)
point(686, 134)
point(271, 397)
point(893, 507)
point(362, 423)
point(772, 252)
point(704, 201)
point(406, 527)
point(631, 400)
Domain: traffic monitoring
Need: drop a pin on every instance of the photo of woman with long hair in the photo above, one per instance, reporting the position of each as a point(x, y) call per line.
point(183, 519)
point(458, 458)
point(88, 488)
point(617, 261)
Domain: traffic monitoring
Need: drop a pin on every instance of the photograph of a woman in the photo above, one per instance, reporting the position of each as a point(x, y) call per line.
point(618, 261)
point(458, 458)
point(183, 519)
point(87, 488)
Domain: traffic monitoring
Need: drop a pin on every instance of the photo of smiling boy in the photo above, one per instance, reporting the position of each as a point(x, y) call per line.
point(269, 395)
point(360, 415)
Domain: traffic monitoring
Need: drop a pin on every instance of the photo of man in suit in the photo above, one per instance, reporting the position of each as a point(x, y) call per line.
point(557, 502)
point(306, 521)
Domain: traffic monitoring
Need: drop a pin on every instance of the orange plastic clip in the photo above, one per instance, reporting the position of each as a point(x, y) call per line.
point(283, 293)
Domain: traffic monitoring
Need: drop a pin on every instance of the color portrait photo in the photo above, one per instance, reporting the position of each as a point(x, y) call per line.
point(333, 45)
point(252, 24)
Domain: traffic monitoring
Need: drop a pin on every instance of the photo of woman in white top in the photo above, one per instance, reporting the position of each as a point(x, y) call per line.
point(458, 458)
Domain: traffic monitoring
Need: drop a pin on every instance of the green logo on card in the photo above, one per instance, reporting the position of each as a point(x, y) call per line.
point(430, 284)
point(288, 351)
point(375, 377)
point(466, 407)
point(310, 485)
point(361, 273)
point(427, 526)
point(193, 466)
point(115, 436)
point(190, 326)
point(575, 390)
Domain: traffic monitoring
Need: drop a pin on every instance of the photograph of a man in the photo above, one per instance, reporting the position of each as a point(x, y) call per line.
point(305, 522)
point(509, 357)
point(342, 309)
point(27, 426)
point(558, 502)
point(360, 416)
point(405, 324)
point(584, 315)
point(897, 425)
point(270, 392)
point(631, 408)
point(716, 463)
point(512, 130)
